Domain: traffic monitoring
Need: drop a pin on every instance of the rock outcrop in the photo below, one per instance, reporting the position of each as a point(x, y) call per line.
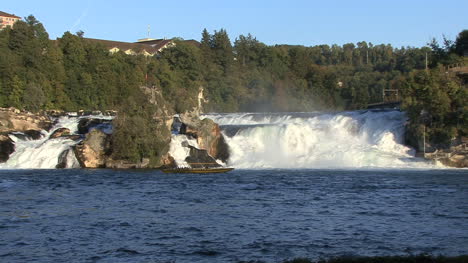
point(59, 133)
point(33, 134)
point(454, 156)
point(7, 147)
point(93, 151)
point(456, 160)
point(200, 159)
point(12, 119)
point(62, 159)
point(207, 133)
point(28, 135)
point(86, 124)
point(122, 164)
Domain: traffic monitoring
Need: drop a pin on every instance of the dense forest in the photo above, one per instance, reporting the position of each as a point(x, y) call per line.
point(71, 73)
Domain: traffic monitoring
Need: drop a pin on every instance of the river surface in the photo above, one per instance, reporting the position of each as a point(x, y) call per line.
point(270, 215)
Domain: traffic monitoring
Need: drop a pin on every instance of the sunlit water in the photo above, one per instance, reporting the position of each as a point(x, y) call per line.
point(269, 215)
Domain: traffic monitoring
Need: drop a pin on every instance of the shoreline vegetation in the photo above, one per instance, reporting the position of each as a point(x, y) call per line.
point(72, 73)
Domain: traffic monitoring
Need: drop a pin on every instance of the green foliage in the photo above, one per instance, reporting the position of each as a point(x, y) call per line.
point(437, 100)
point(138, 133)
point(16, 92)
point(74, 73)
point(33, 97)
point(461, 44)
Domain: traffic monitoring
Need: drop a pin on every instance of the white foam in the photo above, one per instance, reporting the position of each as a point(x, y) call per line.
point(44, 153)
point(179, 149)
point(344, 140)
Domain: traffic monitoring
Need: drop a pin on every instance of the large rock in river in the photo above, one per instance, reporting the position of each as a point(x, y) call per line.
point(207, 133)
point(7, 147)
point(59, 133)
point(93, 151)
point(200, 159)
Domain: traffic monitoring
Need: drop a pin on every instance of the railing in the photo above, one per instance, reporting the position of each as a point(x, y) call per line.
point(458, 68)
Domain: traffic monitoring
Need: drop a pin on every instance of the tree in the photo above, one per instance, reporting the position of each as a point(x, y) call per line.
point(16, 93)
point(80, 33)
point(33, 97)
point(222, 50)
point(461, 44)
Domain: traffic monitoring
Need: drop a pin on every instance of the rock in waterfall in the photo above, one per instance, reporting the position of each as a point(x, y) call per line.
point(7, 146)
point(93, 151)
point(207, 133)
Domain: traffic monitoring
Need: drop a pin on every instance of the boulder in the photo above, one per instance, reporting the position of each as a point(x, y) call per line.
point(59, 133)
point(55, 113)
point(85, 125)
point(28, 135)
point(454, 154)
point(200, 159)
point(7, 147)
point(62, 159)
point(12, 119)
point(168, 161)
point(33, 134)
point(93, 151)
point(456, 160)
point(74, 137)
point(207, 133)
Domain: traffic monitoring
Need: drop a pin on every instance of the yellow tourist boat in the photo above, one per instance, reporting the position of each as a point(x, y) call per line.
point(187, 170)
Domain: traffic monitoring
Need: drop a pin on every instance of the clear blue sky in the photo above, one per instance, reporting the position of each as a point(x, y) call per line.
point(302, 22)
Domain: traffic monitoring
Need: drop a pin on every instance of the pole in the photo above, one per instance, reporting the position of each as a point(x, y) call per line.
point(424, 140)
point(426, 60)
point(367, 57)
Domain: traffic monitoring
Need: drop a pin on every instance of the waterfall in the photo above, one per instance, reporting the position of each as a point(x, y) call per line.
point(179, 149)
point(46, 153)
point(357, 139)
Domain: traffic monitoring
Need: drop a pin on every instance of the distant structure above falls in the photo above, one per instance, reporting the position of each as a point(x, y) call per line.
point(146, 46)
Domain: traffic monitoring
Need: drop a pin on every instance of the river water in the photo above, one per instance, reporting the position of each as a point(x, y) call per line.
point(270, 215)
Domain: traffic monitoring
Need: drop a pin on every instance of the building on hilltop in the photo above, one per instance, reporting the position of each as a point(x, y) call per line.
point(7, 19)
point(146, 46)
point(126, 47)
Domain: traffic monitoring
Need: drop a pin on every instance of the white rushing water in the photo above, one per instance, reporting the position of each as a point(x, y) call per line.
point(358, 139)
point(179, 149)
point(44, 153)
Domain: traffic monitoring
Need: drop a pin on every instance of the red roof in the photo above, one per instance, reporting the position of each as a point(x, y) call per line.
point(8, 15)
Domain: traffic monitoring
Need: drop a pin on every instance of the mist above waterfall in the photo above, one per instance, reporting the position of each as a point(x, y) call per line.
point(357, 139)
